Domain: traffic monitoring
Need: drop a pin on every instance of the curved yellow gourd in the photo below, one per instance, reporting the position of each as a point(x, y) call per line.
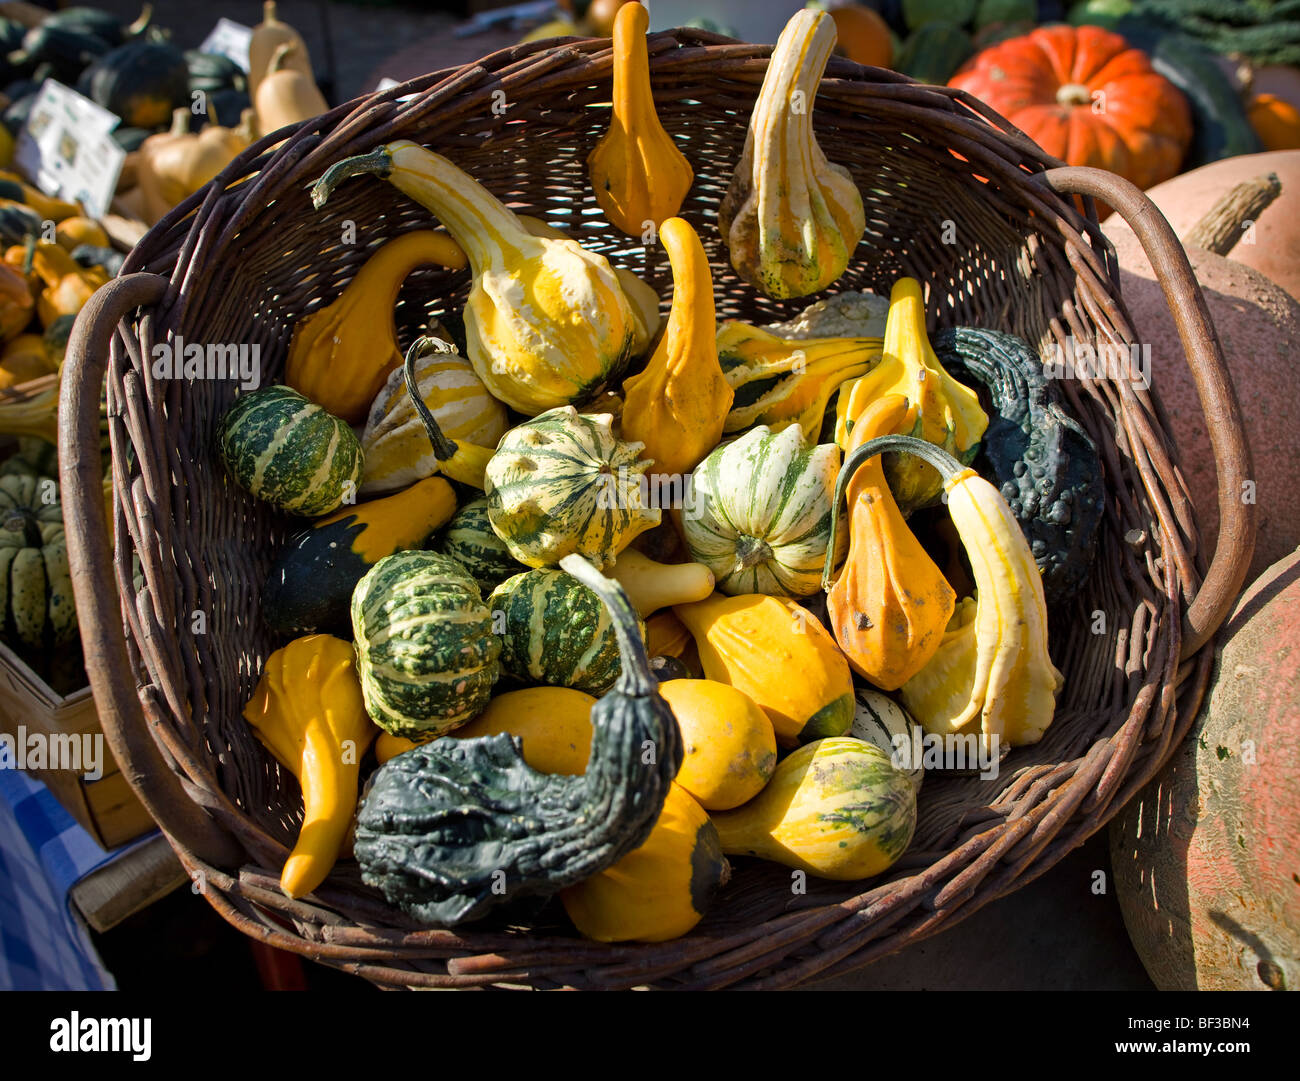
point(651, 585)
point(729, 742)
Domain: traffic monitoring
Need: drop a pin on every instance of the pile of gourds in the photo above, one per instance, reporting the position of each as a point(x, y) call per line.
point(574, 609)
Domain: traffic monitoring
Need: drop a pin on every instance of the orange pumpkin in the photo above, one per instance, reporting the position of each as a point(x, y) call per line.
point(1276, 122)
point(1086, 97)
point(862, 35)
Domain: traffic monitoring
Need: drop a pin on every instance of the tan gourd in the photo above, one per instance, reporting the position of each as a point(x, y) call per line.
point(267, 37)
point(173, 165)
point(650, 585)
point(286, 95)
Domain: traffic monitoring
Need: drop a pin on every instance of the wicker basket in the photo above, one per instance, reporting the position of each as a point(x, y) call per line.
point(255, 257)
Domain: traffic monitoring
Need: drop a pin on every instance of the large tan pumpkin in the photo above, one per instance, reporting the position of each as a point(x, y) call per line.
point(1259, 326)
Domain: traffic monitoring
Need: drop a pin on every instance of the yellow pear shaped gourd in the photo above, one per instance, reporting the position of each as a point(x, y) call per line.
point(730, 745)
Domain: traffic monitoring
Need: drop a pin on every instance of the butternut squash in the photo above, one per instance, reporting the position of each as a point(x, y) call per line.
point(286, 94)
point(268, 36)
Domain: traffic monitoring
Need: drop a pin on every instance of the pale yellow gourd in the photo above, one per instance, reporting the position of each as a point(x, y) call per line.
point(729, 743)
point(651, 585)
point(267, 37)
point(286, 95)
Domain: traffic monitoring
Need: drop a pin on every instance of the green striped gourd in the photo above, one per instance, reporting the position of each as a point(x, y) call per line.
point(290, 452)
point(396, 444)
point(425, 648)
point(556, 631)
point(880, 720)
point(469, 539)
point(758, 513)
point(561, 483)
point(35, 585)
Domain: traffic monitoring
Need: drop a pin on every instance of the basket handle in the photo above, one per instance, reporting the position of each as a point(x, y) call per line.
point(102, 638)
point(1200, 342)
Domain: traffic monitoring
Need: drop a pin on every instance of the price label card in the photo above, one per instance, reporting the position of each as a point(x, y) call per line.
point(229, 39)
point(67, 148)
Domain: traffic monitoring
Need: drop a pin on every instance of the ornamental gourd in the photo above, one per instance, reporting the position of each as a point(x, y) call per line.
point(451, 829)
point(758, 513)
point(341, 354)
point(547, 322)
point(562, 483)
point(173, 165)
point(651, 585)
point(678, 404)
point(265, 41)
point(790, 218)
point(470, 540)
point(552, 723)
point(36, 603)
point(286, 94)
point(637, 173)
point(425, 648)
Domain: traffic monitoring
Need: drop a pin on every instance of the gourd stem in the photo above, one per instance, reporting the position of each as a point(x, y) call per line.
point(443, 448)
point(635, 679)
point(631, 68)
point(278, 57)
point(377, 163)
point(26, 521)
point(141, 22)
point(751, 551)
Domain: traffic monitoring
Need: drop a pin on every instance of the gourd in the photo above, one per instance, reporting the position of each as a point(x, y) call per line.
point(1034, 452)
point(425, 648)
point(782, 381)
point(651, 585)
point(66, 284)
point(678, 404)
point(879, 720)
point(16, 303)
point(470, 541)
point(946, 413)
point(555, 630)
point(308, 712)
point(75, 231)
point(754, 643)
point(1046, 83)
point(290, 452)
point(110, 260)
point(667, 637)
point(854, 313)
point(660, 890)
point(1006, 680)
point(637, 173)
point(341, 354)
point(453, 828)
point(757, 513)
point(103, 24)
point(553, 723)
point(36, 602)
point(863, 35)
point(836, 809)
point(173, 165)
point(210, 73)
point(309, 588)
point(547, 323)
point(468, 422)
point(1276, 122)
point(141, 81)
point(729, 744)
point(47, 207)
point(934, 52)
point(17, 222)
point(267, 37)
point(286, 94)
point(24, 358)
point(64, 52)
point(890, 603)
point(562, 483)
point(790, 218)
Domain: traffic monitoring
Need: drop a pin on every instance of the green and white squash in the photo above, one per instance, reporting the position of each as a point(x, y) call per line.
point(758, 513)
point(880, 720)
point(468, 538)
point(556, 631)
point(562, 484)
point(396, 444)
point(290, 452)
point(426, 653)
point(35, 583)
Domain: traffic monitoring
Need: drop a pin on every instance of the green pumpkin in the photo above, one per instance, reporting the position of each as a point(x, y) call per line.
point(290, 452)
point(562, 484)
point(426, 653)
point(141, 81)
point(556, 631)
point(758, 513)
point(470, 541)
point(35, 583)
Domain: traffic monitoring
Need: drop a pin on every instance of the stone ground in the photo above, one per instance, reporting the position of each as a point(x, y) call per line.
point(1053, 934)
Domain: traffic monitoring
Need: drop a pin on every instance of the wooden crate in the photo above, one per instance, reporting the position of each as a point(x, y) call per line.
point(106, 807)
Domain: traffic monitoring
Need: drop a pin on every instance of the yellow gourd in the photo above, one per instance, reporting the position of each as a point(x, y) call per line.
point(790, 218)
point(47, 206)
point(308, 711)
point(67, 284)
point(660, 890)
point(341, 354)
point(890, 604)
point(174, 164)
point(776, 652)
point(667, 636)
point(267, 37)
point(16, 302)
point(730, 745)
point(75, 231)
point(638, 175)
point(24, 358)
point(547, 322)
point(678, 404)
point(650, 585)
point(554, 724)
point(286, 94)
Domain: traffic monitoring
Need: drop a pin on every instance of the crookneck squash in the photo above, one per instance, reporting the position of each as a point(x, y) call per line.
point(678, 404)
point(754, 643)
point(638, 175)
point(310, 586)
point(36, 601)
point(307, 710)
point(453, 828)
point(563, 483)
point(547, 322)
point(341, 354)
point(790, 218)
point(758, 513)
point(1041, 459)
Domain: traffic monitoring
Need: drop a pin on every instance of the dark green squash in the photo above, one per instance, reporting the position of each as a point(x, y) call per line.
point(1044, 463)
point(11, 35)
point(470, 540)
point(91, 255)
point(17, 223)
point(225, 107)
point(130, 138)
point(67, 50)
point(141, 81)
point(309, 590)
point(455, 827)
point(87, 20)
point(211, 72)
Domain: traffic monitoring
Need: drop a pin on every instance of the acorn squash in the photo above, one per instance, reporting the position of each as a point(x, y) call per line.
point(142, 81)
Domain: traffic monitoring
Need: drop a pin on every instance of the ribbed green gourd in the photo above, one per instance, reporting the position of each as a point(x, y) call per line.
point(425, 648)
point(36, 603)
point(290, 452)
point(470, 540)
point(556, 631)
